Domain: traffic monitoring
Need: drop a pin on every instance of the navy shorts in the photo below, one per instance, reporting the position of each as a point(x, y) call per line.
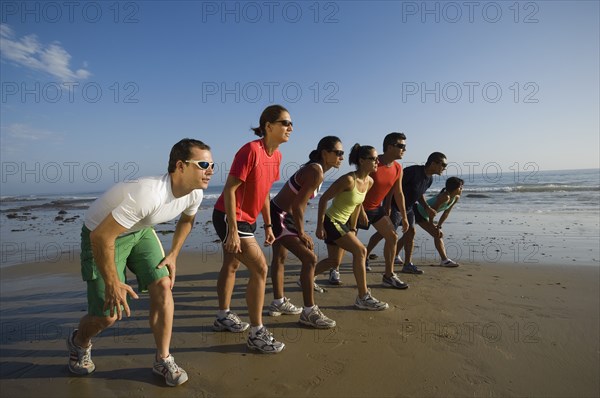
point(245, 230)
point(373, 216)
point(396, 217)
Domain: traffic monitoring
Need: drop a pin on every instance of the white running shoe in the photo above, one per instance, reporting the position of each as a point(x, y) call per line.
point(449, 263)
point(285, 308)
point(264, 342)
point(316, 319)
point(369, 302)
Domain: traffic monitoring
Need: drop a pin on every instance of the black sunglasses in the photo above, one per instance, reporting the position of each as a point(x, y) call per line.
point(202, 164)
point(286, 123)
point(338, 153)
point(444, 165)
point(401, 146)
point(373, 158)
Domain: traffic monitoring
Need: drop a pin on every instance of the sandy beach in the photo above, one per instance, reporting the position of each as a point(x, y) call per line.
point(483, 329)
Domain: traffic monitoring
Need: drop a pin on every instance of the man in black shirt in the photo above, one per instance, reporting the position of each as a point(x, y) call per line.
point(415, 182)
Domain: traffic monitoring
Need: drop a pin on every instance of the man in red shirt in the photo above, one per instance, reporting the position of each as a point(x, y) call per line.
point(387, 184)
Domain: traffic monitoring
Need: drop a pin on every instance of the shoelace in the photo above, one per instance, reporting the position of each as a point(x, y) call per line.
point(267, 335)
point(170, 364)
point(86, 357)
point(233, 317)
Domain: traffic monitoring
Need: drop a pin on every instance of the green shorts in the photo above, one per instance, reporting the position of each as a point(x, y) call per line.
point(139, 251)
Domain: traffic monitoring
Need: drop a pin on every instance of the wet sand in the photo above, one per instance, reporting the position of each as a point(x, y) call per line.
point(483, 329)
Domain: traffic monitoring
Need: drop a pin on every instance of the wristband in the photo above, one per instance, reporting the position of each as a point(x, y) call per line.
point(267, 226)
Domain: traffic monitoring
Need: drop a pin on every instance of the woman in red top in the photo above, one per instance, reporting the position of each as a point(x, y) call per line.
point(246, 194)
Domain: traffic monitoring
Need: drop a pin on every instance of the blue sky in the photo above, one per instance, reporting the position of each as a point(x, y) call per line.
point(98, 92)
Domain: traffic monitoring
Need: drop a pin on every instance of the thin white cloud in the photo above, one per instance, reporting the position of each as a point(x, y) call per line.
point(26, 132)
point(27, 51)
point(17, 137)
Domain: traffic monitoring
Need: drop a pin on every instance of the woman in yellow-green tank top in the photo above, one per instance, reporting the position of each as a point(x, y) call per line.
point(336, 225)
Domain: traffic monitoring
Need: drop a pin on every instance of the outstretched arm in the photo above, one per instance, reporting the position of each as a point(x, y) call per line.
point(310, 179)
point(232, 244)
point(398, 194)
point(182, 230)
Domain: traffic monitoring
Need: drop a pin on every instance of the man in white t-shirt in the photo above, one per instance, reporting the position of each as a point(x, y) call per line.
point(118, 234)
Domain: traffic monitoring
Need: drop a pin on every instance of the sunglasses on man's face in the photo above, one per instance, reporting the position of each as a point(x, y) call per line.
point(203, 165)
point(398, 145)
point(285, 123)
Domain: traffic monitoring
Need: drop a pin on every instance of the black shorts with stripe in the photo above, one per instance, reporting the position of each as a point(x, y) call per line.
point(283, 222)
point(245, 230)
point(334, 230)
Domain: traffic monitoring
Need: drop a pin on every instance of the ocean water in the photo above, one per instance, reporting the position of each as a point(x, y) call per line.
point(541, 216)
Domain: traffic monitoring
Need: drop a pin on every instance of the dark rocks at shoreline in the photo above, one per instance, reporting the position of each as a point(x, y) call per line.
point(62, 205)
point(15, 216)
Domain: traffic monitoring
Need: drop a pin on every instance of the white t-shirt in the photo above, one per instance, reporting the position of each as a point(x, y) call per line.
point(142, 204)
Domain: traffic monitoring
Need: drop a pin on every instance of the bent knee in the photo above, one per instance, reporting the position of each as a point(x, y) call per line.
point(160, 286)
point(391, 236)
point(360, 251)
point(260, 270)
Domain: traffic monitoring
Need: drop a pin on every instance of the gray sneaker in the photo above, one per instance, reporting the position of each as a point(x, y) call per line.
point(264, 342)
point(369, 302)
point(316, 287)
point(80, 359)
point(316, 319)
point(394, 281)
point(231, 323)
point(172, 373)
point(410, 268)
point(449, 263)
point(285, 308)
point(334, 277)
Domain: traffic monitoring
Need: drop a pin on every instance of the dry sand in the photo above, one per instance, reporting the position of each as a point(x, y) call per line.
point(480, 330)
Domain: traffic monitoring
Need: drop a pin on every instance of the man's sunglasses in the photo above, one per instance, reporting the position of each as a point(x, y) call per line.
point(203, 165)
point(285, 123)
point(401, 146)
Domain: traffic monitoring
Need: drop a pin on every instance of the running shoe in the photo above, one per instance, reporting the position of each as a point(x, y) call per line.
point(316, 287)
point(173, 374)
point(394, 281)
point(410, 268)
point(80, 359)
point(264, 342)
point(285, 308)
point(369, 302)
point(334, 277)
point(316, 319)
point(449, 263)
point(398, 260)
point(231, 323)
point(367, 265)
